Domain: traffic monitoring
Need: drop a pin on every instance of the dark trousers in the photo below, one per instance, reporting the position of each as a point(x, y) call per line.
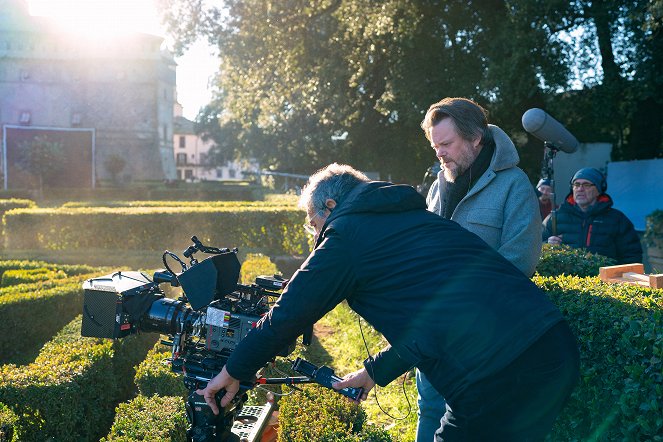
point(519, 403)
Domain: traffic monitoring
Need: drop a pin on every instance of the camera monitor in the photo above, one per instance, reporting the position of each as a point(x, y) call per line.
point(210, 279)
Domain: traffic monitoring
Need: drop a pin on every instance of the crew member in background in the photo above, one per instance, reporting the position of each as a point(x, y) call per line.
point(545, 191)
point(484, 334)
point(481, 188)
point(587, 220)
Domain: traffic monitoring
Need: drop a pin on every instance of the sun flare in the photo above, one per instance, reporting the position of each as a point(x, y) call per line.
point(100, 18)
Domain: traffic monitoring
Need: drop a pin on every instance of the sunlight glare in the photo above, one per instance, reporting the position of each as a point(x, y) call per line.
point(100, 18)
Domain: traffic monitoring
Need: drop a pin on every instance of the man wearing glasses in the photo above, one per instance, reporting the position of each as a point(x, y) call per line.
point(587, 220)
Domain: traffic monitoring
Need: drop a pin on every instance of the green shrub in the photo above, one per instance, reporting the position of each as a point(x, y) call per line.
point(620, 337)
point(68, 269)
point(153, 419)
point(206, 204)
point(255, 265)
point(70, 390)
point(565, 260)
point(320, 414)
point(8, 421)
point(269, 229)
point(654, 229)
point(32, 313)
point(154, 375)
point(13, 277)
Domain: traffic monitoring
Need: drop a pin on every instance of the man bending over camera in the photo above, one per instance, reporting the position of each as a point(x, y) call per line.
point(486, 337)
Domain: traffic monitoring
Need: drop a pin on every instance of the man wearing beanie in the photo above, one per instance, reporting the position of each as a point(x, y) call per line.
point(587, 220)
point(544, 192)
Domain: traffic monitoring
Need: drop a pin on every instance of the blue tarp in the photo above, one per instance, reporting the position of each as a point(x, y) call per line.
point(636, 188)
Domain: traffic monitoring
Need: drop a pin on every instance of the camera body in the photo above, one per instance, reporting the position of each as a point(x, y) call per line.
point(203, 326)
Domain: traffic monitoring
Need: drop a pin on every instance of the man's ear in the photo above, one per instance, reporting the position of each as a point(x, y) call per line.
point(330, 204)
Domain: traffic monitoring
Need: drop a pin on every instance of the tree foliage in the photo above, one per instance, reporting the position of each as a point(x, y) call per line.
point(42, 158)
point(303, 83)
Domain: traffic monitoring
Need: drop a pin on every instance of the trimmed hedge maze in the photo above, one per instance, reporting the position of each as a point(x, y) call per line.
point(84, 389)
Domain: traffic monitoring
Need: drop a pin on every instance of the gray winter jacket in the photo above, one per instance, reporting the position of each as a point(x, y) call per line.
point(501, 208)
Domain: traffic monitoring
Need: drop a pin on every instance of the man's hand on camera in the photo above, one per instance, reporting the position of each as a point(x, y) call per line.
point(358, 379)
point(221, 381)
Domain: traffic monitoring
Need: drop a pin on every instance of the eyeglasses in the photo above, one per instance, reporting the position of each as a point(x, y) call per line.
point(308, 225)
point(583, 185)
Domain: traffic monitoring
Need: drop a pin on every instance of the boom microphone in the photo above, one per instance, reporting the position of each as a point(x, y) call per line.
point(547, 129)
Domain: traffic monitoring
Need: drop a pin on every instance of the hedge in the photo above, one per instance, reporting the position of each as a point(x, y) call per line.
point(70, 390)
point(154, 375)
point(565, 260)
point(272, 230)
point(70, 270)
point(13, 277)
point(153, 418)
point(32, 313)
point(320, 414)
point(207, 204)
point(8, 421)
point(621, 348)
point(15, 203)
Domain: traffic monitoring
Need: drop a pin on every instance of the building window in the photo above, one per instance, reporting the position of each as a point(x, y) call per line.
point(231, 173)
point(182, 141)
point(188, 174)
point(181, 159)
point(25, 118)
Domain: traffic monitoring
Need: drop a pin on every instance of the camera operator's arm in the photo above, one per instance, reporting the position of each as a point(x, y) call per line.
point(221, 381)
point(325, 279)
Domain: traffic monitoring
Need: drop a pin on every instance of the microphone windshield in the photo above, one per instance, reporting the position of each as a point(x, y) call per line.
point(546, 128)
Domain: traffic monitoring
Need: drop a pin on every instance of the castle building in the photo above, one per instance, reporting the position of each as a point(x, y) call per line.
point(97, 99)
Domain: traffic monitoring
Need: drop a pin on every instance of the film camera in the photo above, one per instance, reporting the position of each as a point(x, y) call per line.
point(203, 326)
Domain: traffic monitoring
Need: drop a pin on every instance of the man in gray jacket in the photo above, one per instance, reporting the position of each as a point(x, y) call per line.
point(482, 189)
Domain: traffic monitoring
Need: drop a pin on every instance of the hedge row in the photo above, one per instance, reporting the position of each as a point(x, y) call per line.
point(564, 260)
point(70, 390)
point(15, 203)
point(32, 313)
point(155, 418)
point(70, 270)
point(271, 230)
point(620, 335)
point(13, 277)
point(208, 204)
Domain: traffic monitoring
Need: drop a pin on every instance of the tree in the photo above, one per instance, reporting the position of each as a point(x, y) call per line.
point(114, 164)
point(42, 158)
point(296, 74)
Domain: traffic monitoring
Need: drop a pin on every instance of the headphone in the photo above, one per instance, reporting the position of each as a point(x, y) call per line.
point(603, 185)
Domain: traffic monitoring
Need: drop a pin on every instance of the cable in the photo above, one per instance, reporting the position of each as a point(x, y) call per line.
point(375, 389)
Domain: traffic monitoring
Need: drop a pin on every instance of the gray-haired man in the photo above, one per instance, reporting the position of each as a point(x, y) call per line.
point(421, 281)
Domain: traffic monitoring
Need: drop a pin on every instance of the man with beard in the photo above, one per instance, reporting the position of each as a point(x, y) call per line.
point(482, 189)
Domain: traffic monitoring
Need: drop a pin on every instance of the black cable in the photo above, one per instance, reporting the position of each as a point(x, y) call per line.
point(375, 388)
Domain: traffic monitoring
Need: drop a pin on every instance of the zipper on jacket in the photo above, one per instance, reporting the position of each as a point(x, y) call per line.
point(589, 235)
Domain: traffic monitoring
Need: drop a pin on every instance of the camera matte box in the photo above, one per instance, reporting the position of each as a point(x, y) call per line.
point(103, 315)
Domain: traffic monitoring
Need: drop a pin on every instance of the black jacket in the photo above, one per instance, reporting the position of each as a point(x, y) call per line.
point(601, 230)
point(439, 294)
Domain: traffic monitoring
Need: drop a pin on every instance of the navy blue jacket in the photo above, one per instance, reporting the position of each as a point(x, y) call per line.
point(437, 292)
point(601, 230)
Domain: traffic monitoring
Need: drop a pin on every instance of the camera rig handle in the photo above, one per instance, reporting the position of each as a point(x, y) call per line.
point(198, 246)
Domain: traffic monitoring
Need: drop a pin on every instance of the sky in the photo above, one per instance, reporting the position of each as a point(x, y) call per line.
point(109, 18)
